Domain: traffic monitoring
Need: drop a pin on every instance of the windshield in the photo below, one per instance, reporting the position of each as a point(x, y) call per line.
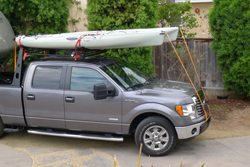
point(126, 75)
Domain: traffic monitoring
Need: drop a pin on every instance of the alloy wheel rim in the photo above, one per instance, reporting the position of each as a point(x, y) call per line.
point(156, 138)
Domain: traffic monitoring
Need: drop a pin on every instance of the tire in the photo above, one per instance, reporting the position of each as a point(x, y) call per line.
point(157, 135)
point(1, 128)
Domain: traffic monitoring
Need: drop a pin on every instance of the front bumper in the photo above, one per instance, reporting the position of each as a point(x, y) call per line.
point(192, 130)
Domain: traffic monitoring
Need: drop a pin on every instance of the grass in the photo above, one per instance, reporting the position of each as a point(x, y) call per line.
point(216, 107)
point(151, 164)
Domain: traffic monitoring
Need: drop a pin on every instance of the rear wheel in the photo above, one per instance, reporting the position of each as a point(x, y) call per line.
point(157, 135)
point(1, 127)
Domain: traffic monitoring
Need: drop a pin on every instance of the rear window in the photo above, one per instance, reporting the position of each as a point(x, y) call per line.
point(47, 77)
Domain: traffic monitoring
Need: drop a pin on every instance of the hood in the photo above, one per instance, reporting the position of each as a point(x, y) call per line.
point(174, 86)
point(181, 92)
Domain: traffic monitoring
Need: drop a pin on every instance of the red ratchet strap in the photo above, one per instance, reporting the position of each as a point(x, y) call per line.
point(78, 43)
point(21, 47)
point(76, 57)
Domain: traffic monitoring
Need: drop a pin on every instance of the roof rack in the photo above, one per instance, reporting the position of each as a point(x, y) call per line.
point(80, 53)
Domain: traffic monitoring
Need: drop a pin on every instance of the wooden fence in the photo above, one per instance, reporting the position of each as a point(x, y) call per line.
point(169, 67)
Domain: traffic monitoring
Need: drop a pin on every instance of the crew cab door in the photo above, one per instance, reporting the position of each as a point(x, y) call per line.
point(43, 96)
point(82, 111)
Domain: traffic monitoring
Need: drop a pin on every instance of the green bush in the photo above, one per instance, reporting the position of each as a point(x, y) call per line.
point(229, 21)
point(124, 14)
point(174, 14)
point(36, 16)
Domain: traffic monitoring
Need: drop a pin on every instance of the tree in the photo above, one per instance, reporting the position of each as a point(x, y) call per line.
point(123, 14)
point(36, 16)
point(176, 14)
point(229, 21)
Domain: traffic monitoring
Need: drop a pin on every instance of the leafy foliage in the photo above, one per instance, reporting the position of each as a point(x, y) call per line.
point(176, 14)
point(123, 14)
point(36, 16)
point(230, 24)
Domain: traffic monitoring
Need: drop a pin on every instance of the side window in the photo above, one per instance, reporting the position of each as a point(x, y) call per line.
point(84, 79)
point(47, 77)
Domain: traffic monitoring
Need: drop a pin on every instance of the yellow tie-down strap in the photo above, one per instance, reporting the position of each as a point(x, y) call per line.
point(209, 113)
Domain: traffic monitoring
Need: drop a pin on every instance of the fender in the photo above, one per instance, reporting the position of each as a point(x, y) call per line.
point(172, 115)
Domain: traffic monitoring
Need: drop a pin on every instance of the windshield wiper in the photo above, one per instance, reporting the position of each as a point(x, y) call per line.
point(135, 86)
point(150, 80)
point(147, 82)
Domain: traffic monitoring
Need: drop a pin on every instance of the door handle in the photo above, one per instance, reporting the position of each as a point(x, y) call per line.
point(70, 99)
point(30, 97)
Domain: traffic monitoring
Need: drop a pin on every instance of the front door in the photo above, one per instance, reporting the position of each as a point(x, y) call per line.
point(82, 111)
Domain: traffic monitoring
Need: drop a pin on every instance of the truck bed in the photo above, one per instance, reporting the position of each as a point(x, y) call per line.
point(6, 78)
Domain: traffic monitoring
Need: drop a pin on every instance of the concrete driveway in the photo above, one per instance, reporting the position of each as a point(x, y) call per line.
point(24, 150)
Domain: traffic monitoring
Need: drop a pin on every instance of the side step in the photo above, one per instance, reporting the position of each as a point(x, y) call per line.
point(13, 130)
point(79, 136)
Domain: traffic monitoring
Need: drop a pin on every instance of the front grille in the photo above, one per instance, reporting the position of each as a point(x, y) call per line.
point(199, 108)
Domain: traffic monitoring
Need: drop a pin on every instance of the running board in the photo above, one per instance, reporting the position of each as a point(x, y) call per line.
point(79, 136)
point(13, 129)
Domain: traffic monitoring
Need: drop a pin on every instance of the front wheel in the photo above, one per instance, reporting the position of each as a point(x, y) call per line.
point(157, 136)
point(1, 127)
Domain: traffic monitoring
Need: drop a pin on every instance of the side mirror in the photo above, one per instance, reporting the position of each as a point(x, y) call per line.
point(102, 92)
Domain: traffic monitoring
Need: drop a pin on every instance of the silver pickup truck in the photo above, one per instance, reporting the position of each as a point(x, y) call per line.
point(98, 98)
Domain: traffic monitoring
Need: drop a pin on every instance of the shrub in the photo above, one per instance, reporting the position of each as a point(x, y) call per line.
point(36, 16)
point(122, 14)
point(229, 21)
point(174, 14)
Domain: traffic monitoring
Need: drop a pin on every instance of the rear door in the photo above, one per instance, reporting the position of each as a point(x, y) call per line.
point(82, 111)
point(43, 96)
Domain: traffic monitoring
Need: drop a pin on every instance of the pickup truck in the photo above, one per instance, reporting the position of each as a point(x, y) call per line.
point(102, 99)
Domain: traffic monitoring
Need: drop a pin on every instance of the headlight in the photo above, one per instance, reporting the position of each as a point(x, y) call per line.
point(187, 110)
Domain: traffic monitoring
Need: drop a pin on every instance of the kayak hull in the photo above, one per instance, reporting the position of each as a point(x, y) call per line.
point(6, 36)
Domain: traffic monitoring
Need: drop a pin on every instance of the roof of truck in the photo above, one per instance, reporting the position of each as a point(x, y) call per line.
point(98, 61)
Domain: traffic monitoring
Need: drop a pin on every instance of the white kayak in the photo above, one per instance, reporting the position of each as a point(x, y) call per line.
point(129, 38)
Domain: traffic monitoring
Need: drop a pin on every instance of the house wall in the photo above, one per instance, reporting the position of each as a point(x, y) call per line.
point(202, 18)
point(76, 13)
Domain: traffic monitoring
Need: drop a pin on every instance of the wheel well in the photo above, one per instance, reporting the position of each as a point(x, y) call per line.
point(141, 117)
